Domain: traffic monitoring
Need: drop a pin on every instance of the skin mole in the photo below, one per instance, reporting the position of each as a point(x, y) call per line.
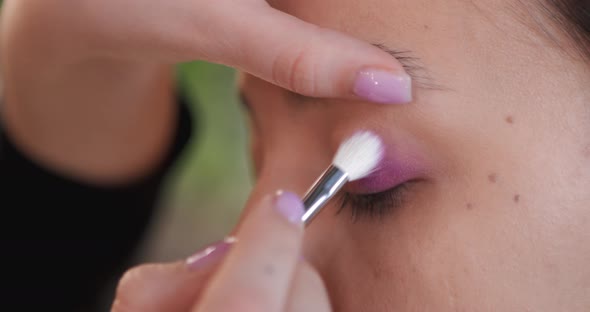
point(492, 177)
point(509, 119)
point(376, 272)
point(469, 206)
point(516, 198)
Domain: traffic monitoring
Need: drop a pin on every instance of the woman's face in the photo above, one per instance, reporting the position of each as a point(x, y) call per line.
point(494, 214)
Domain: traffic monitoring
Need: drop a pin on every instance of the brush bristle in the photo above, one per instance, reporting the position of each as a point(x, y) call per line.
point(359, 155)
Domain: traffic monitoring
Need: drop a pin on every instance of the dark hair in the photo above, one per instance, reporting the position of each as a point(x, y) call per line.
point(573, 16)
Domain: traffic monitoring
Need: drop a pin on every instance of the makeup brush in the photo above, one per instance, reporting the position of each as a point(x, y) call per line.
point(356, 158)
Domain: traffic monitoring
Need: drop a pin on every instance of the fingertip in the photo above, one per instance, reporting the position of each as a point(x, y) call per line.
point(361, 71)
point(138, 286)
point(289, 206)
point(209, 255)
point(320, 62)
point(383, 86)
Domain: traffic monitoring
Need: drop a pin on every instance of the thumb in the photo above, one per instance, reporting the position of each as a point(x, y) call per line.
point(313, 61)
point(168, 286)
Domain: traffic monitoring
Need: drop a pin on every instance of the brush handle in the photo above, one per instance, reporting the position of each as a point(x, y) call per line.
point(329, 183)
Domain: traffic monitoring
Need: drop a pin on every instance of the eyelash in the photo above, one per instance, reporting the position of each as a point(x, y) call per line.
point(421, 77)
point(375, 205)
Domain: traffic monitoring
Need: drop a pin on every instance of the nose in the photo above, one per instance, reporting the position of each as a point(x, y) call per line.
point(291, 166)
point(294, 166)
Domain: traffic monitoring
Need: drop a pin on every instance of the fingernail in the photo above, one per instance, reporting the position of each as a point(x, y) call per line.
point(290, 206)
point(210, 254)
point(383, 86)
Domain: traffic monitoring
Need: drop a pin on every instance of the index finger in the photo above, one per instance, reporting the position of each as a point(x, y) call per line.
point(257, 273)
point(308, 59)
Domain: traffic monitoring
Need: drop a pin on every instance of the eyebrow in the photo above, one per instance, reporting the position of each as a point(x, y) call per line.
point(421, 76)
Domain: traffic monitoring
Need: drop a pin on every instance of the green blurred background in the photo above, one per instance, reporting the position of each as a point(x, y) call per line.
point(210, 183)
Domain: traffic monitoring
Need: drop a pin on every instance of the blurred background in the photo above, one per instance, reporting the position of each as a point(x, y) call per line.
point(210, 183)
point(208, 186)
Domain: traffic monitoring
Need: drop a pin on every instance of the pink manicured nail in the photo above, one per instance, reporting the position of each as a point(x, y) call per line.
point(383, 86)
point(290, 206)
point(210, 254)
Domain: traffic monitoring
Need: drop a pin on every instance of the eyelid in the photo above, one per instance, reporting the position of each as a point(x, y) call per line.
point(376, 205)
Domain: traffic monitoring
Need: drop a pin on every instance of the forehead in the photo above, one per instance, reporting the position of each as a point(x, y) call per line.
point(436, 31)
point(383, 18)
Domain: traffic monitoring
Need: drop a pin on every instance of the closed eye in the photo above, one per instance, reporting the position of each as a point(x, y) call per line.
point(376, 205)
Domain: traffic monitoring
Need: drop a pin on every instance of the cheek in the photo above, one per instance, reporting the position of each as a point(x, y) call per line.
point(449, 258)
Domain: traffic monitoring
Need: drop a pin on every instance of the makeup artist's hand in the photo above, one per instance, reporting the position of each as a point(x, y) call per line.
point(247, 34)
point(99, 64)
point(261, 271)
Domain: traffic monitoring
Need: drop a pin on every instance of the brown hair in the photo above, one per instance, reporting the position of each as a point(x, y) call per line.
point(573, 16)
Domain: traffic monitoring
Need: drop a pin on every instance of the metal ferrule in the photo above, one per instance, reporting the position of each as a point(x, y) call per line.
point(329, 183)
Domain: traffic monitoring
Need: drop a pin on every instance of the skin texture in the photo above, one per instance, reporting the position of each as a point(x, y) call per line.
point(500, 222)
